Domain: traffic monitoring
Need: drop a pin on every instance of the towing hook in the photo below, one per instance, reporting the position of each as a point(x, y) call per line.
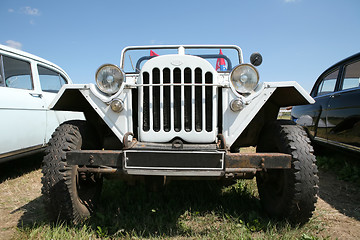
point(177, 144)
point(263, 165)
point(221, 141)
point(129, 144)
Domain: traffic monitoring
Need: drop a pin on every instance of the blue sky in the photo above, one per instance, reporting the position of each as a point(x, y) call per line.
point(298, 39)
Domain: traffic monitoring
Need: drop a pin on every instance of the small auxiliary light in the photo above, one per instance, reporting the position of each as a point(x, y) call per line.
point(236, 105)
point(117, 105)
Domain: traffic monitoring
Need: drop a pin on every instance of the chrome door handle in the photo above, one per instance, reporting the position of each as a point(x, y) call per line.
point(39, 95)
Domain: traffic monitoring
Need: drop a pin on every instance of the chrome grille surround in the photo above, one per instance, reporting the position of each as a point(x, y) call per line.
point(177, 98)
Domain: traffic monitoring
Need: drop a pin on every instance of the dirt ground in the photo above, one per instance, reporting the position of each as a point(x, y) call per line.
point(338, 207)
point(337, 211)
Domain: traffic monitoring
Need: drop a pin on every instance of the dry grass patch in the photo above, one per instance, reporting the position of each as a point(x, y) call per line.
point(184, 210)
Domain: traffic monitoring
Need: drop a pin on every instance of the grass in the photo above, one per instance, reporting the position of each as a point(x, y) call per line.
point(284, 115)
point(184, 210)
point(344, 166)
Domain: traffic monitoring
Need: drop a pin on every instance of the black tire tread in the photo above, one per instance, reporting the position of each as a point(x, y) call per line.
point(301, 195)
point(58, 179)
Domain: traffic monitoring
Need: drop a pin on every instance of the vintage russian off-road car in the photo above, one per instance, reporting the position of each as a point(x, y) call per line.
point(180, 112)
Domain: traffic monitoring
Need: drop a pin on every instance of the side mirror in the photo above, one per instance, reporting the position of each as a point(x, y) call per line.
point(256, 59)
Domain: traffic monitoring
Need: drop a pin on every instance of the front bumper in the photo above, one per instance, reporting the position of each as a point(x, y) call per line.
point(177, 163)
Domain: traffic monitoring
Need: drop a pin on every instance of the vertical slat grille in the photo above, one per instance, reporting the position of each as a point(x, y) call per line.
point(208, 102)
point(166, 102)
point(178, 100)
point(156, 99)
point(187, 101)
point(198, 100)
point(146, 103)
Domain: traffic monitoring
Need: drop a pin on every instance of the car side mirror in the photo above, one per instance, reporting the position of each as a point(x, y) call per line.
point(256, 59)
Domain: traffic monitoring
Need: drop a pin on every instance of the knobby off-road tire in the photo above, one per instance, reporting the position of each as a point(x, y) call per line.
point(68, 195)
point(288, 193)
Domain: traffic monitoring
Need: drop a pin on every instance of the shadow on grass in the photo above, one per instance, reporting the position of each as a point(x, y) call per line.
point(339, 181)
point(33, 213)
point(18, 167)
point(133, 211)
point(342, 195)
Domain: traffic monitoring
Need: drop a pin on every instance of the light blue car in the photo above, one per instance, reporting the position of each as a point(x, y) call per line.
point(28, 84)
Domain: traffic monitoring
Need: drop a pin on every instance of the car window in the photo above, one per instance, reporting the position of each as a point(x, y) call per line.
point(328, 83)
point(352, 76)
point(50, 80)
point(17, 73)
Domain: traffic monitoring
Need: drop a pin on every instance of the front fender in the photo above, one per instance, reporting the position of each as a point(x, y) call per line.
point(289, 94)
point(276, 94)
point(87, 99)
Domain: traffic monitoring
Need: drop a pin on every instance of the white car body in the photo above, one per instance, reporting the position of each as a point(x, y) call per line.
point(233, 123)
point(26, 123)
point(180, 113)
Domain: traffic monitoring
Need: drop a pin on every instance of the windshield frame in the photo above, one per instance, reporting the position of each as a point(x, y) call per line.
point(181, 49)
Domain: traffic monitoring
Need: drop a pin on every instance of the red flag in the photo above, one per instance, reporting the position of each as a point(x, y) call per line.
point(220, 63)
point(152, 53)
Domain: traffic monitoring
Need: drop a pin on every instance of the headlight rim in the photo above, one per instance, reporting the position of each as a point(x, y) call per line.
point(104, 90)
point(245, 91)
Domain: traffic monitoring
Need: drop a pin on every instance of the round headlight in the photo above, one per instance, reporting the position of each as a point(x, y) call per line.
point(109, 78)
point(244, 78)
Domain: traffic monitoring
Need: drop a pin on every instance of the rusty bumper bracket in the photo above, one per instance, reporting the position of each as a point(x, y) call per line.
point(252, 162)
point(234, 163)
point(107, 158)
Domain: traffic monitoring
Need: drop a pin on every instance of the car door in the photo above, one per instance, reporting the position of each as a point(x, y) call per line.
point(50, 82)
point(323, 92)
point(343, 113)
point(22, 109)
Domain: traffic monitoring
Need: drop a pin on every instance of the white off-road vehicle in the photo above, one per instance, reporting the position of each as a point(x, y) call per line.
point(180, 112)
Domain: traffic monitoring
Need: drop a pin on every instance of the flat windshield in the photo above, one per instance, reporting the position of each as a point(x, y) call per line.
point(223, 59)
